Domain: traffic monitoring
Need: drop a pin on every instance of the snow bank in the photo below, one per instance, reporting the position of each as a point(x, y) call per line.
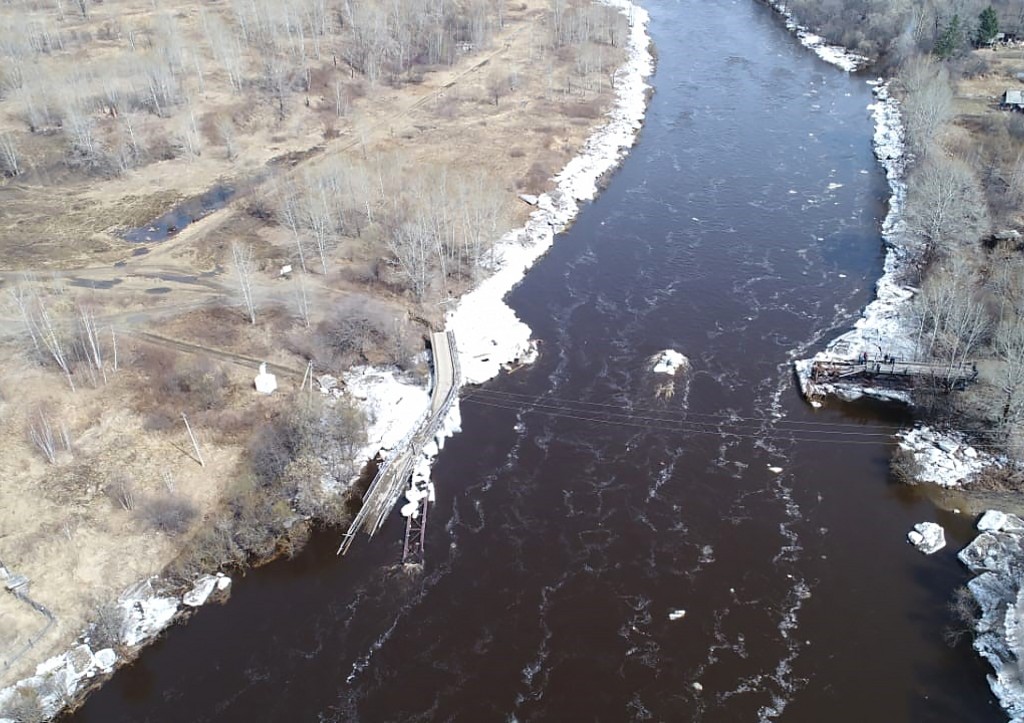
point(669, 362)
point(927, 537)
point(60, 678)
point(489, 333)
point(834, 54)
point(145, 613)
point(944, 458)
point(884, 326)
point(996, 556)
point(393, 407)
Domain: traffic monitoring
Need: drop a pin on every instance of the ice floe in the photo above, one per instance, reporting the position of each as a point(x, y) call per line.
point(669, 362)
point(927, 537)
point(996, 557)
point(943, 458)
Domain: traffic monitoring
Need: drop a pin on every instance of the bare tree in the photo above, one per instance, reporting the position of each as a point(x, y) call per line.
point(242, 260)
point(1008, 344)
point(302, 298)
point(928, 100)
point(52, 336)
point(412, 245)
point(952, 320)
point(24, 301)
point(945, 203)
point(9, 157)
point(87, 320)
point(228, 136)
point(47, 438)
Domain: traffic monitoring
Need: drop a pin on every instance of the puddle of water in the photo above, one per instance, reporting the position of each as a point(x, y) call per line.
point(140, 252)
point(94, 283)
point(189, 211)
point(159, 290)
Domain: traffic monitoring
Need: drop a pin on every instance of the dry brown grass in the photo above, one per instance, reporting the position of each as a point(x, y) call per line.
point(57, 524)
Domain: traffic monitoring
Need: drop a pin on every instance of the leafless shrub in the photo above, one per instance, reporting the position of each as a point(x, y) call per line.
point(587, 109)
point(169, 514)
point(121, 491)
point(107, 629)
point(25, 706)
point(904, 466)
point(966, 613)
point(49, 437)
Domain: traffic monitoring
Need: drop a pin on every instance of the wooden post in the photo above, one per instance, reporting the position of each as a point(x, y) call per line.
point(195, 444)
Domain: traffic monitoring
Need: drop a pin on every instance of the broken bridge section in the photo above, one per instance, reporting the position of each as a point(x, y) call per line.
point(394, 473)
point(894, 372)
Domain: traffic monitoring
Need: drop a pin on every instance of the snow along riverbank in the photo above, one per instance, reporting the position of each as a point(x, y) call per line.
point(488, 333)
point(995, 558)
point(139, 615)
point(885, 326)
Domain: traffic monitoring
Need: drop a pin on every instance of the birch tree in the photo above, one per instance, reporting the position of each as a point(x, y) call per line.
point(90, 332)
point(244, 266)
point(52, 335)
point(945, 203)
point(9, 157)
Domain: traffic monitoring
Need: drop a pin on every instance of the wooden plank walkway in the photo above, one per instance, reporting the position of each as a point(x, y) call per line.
point(889, 369)
point(392, 477)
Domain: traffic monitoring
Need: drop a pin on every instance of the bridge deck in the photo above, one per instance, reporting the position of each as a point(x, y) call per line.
point(894, 369)
point(391, 478)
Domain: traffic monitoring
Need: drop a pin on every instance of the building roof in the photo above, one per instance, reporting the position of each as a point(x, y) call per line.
point(1013, 97)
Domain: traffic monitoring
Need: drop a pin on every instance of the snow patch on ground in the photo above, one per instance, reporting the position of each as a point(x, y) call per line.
point(833, 54)
point(927, 537)
point(996, 557)
point(489, 334)
point(944, 458)
point(669, 362)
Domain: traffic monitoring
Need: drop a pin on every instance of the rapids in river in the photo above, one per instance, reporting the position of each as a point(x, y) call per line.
point(609, 546)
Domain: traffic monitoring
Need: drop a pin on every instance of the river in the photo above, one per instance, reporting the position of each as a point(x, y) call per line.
point(582, 505)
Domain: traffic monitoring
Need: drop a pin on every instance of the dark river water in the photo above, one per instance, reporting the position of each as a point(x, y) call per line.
point(579, 508)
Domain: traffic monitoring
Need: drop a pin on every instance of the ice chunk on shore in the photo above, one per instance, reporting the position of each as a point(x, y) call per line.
point(200, 592)
point(996, 521)
point(927, 537)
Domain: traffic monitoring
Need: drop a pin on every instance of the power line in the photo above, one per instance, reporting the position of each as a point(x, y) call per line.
point(568, 409)
point(530, 399)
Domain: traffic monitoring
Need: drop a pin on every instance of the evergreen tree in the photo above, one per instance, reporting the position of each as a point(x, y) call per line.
point(988, 26)
point(951, 39)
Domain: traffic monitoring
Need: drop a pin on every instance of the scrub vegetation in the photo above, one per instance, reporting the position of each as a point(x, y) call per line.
point(188, 189)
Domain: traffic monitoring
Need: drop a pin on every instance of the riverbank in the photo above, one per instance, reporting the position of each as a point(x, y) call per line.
point(928, 456)
point(392, 402)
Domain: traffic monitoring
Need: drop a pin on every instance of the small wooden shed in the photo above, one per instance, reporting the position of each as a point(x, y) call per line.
point(1013, 100)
